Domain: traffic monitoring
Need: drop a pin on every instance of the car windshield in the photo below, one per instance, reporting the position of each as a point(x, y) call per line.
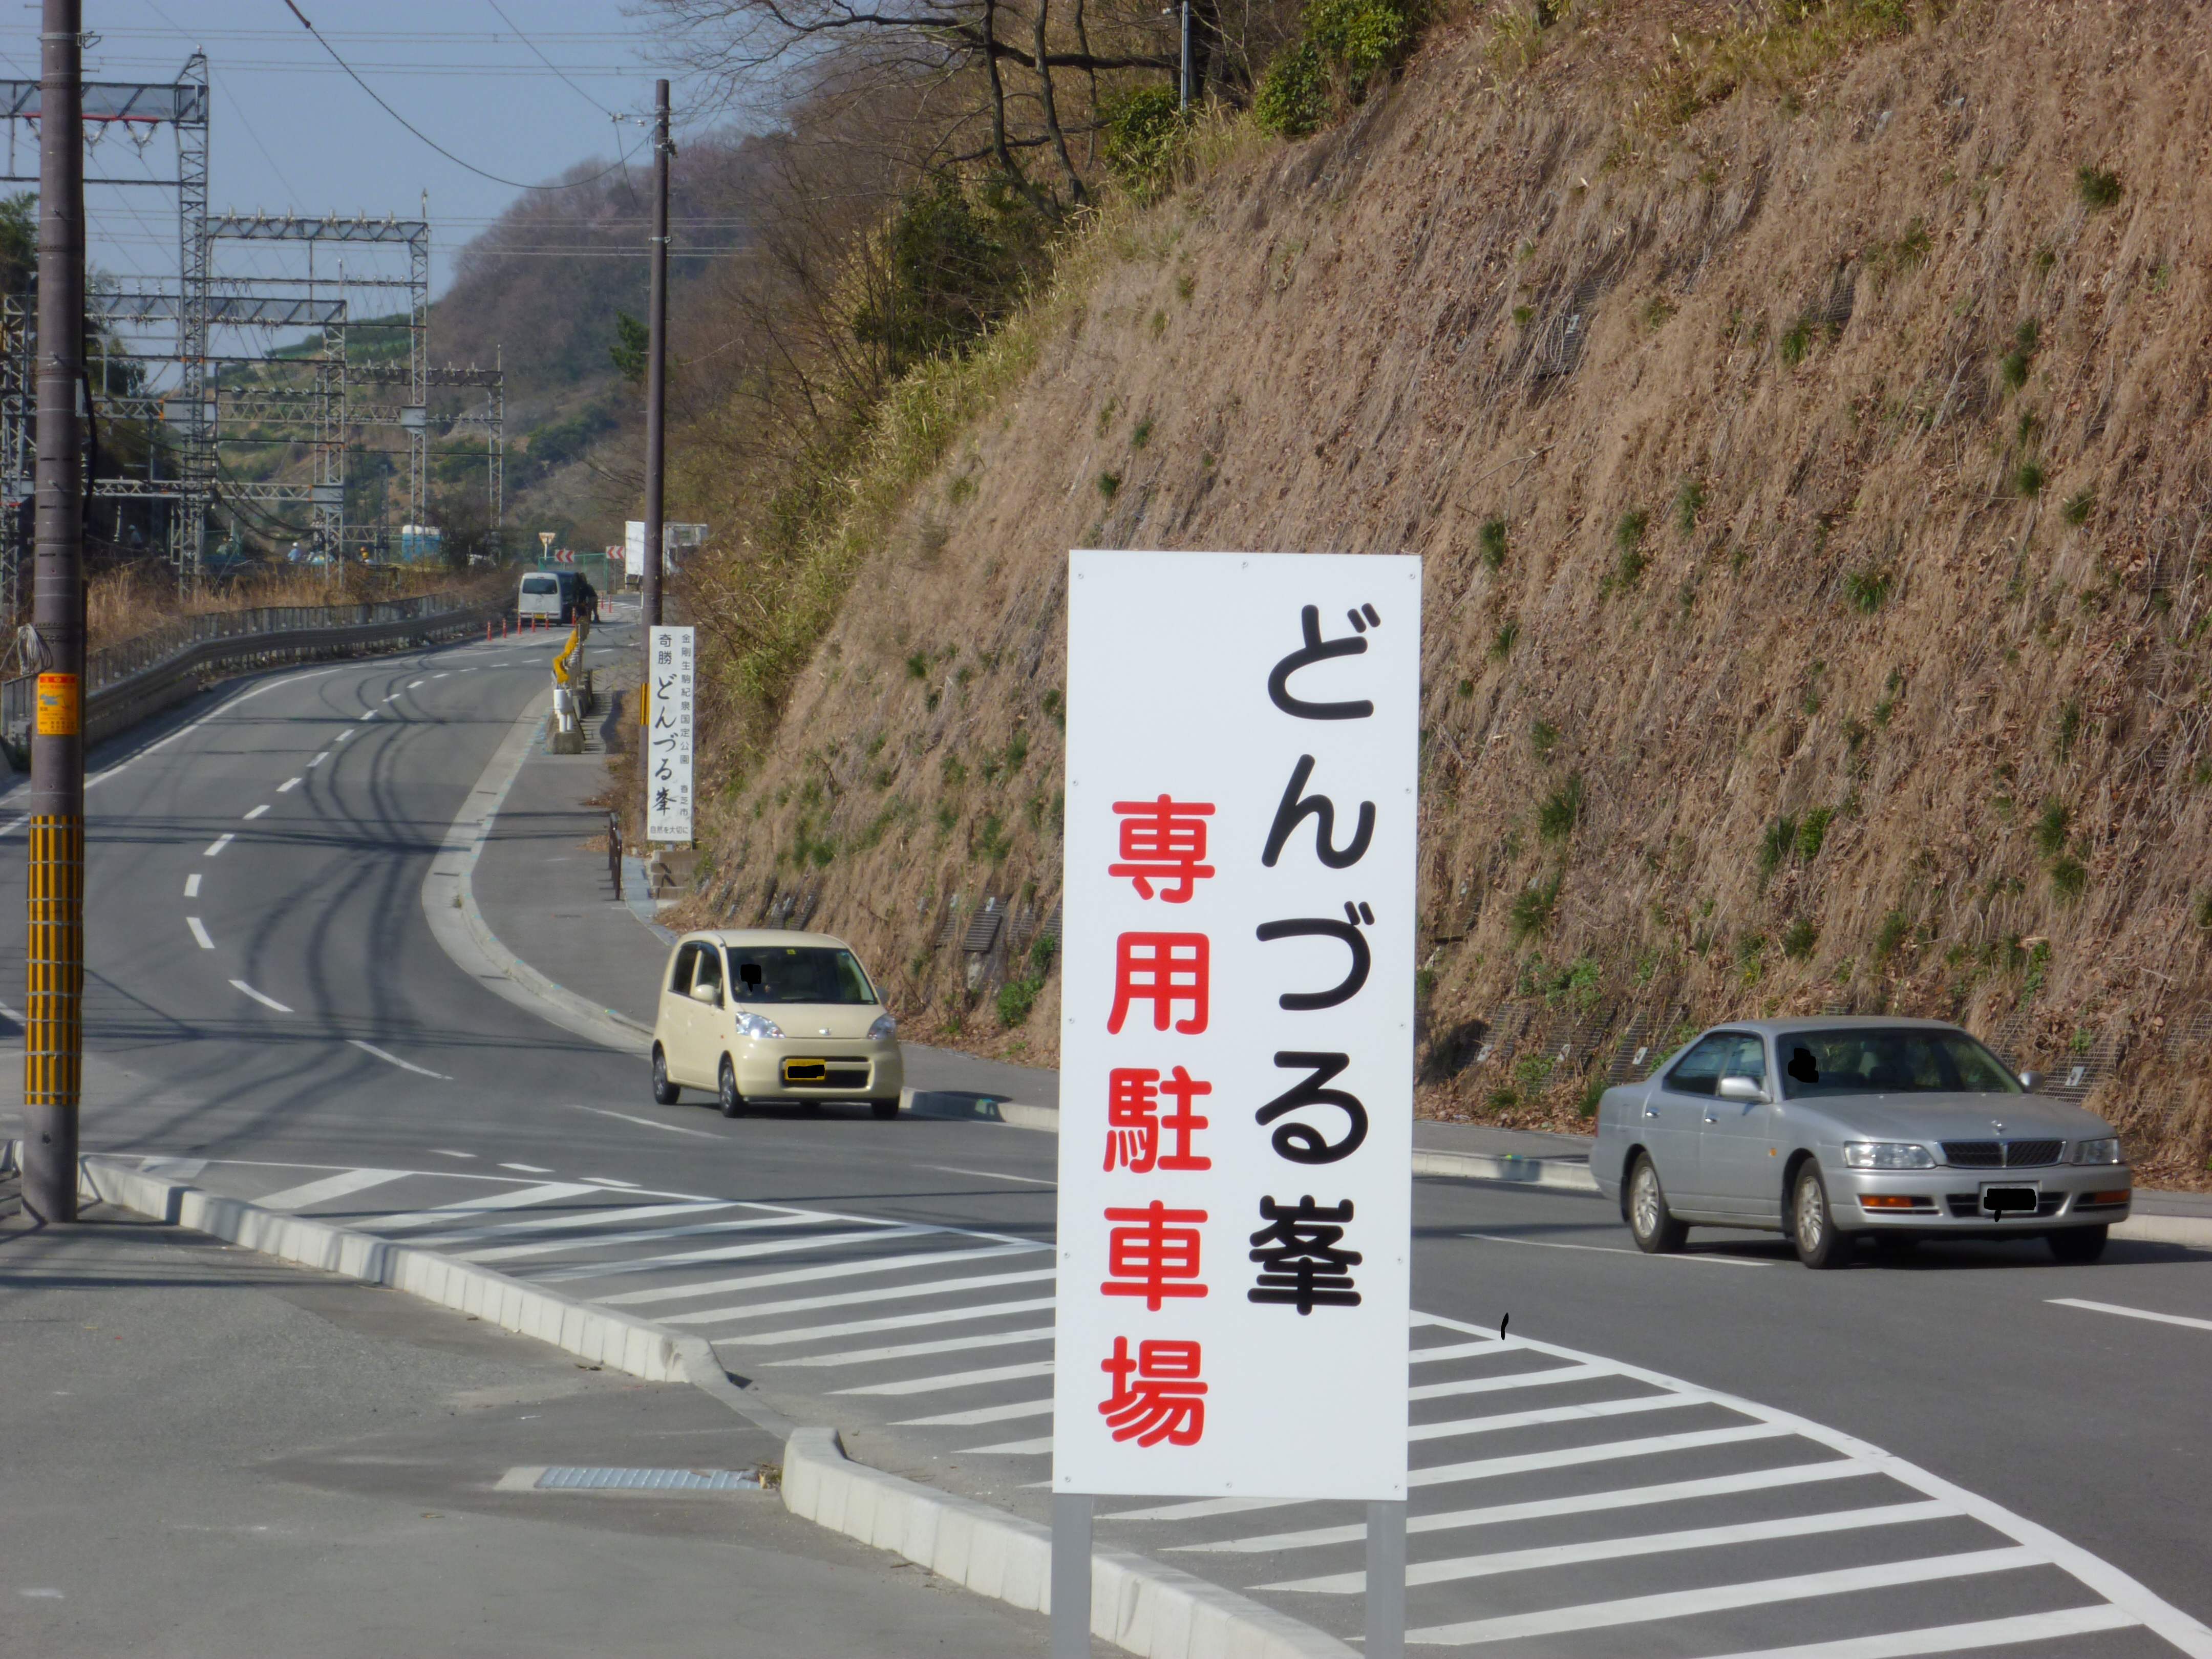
point(798, 973)
point(1896, 1062)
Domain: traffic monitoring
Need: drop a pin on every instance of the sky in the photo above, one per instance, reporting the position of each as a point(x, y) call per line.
point(288, 129)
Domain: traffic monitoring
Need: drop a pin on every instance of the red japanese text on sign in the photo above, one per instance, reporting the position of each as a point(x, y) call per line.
point(1153, 1253)
point(1133, 1120)
point(1163, 970)
point(1156, 1395)
point(1162, 840)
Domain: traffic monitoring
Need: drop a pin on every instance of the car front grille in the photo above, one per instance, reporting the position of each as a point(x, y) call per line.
point(2002, 1154)
point(1968, 1206)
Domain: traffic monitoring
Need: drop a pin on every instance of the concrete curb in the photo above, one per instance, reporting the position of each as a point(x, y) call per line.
point(1567, 1174)
point(449, 905)
point(1135, 1603)
point(980, 1108)
point(620, 1341)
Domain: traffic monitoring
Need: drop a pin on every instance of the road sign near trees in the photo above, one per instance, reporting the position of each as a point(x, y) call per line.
point(1237, 1081)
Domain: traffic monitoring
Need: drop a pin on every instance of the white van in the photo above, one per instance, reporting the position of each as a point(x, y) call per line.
point(550, 593)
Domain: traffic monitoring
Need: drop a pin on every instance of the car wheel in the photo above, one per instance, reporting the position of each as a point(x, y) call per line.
point(884, 1109)
point(727, 1096)
point(2077, 1247)
point(1650, 1222)
point(1811, 1226)
point(665, 1093)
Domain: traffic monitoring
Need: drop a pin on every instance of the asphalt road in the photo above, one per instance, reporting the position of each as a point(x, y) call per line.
point(2012, 1452)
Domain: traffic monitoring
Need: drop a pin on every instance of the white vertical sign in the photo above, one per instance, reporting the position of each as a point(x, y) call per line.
point(634, 547)
point(668, 736)
point(1236, 1145)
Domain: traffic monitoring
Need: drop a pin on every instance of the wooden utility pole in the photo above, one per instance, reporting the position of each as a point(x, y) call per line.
point(53, 1034)
point(656, 363)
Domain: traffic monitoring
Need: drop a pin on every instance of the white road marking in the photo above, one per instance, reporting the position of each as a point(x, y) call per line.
point(192, 885)
point(348, 733)
point(527, 1168)
point(448, 1151)
point(726, 1253)
point(550, 1192)
point(1540, 1509)
point(643, 1236)
point(915, 1350)
point(609, 1181)
point(1616, 1249)
point(411, 684)
point(954, 1379)
point(436, 676)
point(836, 1270)
point(1721, 1598)
point(2129, 1313)
point(219, 843)
point(651, 1123)
point(370, 716)
point(1615, 1549)
point(1630, 1407)
point(905, 1321)
point(17, 824)
point(612, 1212)
point(394, 697)
point(199, 933)
point(1958, 1639)
point(1014, 1413)
point(266, 1002)
point(319, 760)
point(341, 1185)
point(288, 785)
point(990, 1174)
point(257, 811)
point(1515, 1380)
point(390, 1059)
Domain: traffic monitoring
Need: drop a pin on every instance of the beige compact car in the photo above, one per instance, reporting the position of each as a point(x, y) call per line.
point(761, 1015)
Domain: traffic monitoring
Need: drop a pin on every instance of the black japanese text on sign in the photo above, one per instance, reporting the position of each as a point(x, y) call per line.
point(1236, 1085)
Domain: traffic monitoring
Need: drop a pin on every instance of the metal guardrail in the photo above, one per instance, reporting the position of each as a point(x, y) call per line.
point(127, 681)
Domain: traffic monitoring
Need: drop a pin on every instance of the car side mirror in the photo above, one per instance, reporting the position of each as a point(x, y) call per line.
point(2031, 1081)
point(709, 995)
point(1743, 1088)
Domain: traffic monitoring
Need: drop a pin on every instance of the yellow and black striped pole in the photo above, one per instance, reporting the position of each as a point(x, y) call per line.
point(53, 1034)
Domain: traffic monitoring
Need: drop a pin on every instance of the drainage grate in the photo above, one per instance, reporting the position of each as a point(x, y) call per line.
point(593, 1480)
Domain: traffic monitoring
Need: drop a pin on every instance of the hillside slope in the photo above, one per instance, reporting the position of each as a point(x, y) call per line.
point(1806, 429)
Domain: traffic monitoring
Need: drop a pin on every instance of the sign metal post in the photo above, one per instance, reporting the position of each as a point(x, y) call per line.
point(1236, 1149)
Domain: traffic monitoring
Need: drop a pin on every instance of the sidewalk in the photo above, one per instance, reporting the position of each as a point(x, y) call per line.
point(211, 1453)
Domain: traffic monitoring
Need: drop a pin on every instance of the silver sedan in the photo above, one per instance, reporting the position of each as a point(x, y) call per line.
point(1835, 1129)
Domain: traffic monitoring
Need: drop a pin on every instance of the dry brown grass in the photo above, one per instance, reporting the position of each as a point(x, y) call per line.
point(121, 604)
point(1866, 616)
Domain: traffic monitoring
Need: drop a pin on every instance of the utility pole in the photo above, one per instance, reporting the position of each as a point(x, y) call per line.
point(53, 1034)
point(656, 365)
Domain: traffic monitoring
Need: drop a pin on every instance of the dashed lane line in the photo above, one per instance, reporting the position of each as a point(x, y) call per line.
point(265, 1000)
point(390, 1059)
point(2130, 1313)
point(989, 1175)
point(218, 844)
point(288, 785)
point(649, 1123)
point(192, 885)
point(1615, 1249)
point(319, 760)
point(257, 811)
point(199, 933)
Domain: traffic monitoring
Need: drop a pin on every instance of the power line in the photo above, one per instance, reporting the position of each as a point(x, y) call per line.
point(512, 184)
point(550, 64)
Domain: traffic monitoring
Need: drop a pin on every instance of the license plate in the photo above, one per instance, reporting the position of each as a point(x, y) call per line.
point(2010, 1201)
point(806, 1071)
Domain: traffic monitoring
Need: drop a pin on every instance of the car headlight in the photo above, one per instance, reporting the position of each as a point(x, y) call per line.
point(884, 1029)
point(1887, 1155)
point(757, 1026)
point(2106, 1151)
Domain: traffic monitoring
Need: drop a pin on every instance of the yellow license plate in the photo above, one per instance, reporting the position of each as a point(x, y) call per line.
point(806, 1071)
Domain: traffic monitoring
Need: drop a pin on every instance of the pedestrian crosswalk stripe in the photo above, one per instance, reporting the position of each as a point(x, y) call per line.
point(550, 1192)
point(1012, 1448)
point(885, 1264)
point(916, 1350)
point(1518, 1380)
point(642, 1236)
point(1629, 1407)
point(1019, 1408)
point(1615, 1549)
point(1958, 1639)
point(953, 1380)
point(323, 1188)
point(727, 1253)
point(1721, 1598)
point(906, 1321)
point(601, 1218)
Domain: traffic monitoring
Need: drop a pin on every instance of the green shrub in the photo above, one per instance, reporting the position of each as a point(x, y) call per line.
point(1109, 484)
point(2051, 830)
point(1796, 340)
point(1868, 590)
point(1532, 910)
point(2070, 728)
point(917, 666)
point(1141, 433)
point(1628, 533)
point(1144, 134)
point(1799, 939)
point(1293, 98)
point(1562, 810)
point(2028, 480)
point(959, 261)
point(1890, 934)
point(1345, 46)
point(2014, 368)
point(1689, 502)
point(1543, 738)
point(2098, 187)
point(2068, 877)
point(1501, 642)
point(1491, 538)
point(1015, 998)
point(1776, 846)
point(1812, 832)
point(2079, 506)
